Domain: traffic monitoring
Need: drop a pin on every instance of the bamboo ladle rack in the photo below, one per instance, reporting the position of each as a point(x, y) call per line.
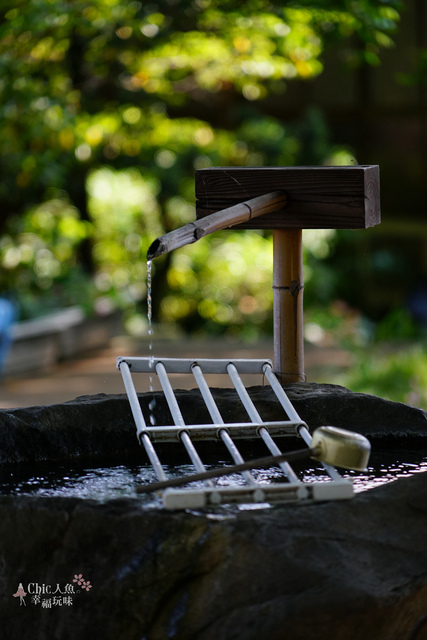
point(286, 200)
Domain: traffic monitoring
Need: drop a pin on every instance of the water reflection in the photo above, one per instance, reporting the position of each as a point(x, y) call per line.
point(119, 481)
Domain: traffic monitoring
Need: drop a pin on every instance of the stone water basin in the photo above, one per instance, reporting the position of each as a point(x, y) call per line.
point(354, 569)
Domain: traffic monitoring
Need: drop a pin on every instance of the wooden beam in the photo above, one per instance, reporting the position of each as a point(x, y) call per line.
point(318, 197)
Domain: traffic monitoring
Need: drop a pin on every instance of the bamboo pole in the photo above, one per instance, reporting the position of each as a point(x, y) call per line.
point(229, 217)
point(288, 288)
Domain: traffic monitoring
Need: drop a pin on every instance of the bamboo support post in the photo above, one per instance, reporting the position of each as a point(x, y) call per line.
point(288, 288)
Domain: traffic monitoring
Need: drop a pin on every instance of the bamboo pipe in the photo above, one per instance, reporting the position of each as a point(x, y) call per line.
point(229, 217)
point(288, 288)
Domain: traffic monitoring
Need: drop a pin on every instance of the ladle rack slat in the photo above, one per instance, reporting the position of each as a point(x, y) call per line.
point(290, 489)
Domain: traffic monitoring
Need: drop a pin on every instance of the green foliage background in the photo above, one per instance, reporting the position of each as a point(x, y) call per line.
point(107, 107)
point(106, 110)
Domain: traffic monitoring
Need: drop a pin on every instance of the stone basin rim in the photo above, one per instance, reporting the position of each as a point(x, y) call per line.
point(102, 426)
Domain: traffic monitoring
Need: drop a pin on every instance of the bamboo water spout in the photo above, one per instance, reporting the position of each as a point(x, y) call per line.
point(224, 219)
point(286, 200)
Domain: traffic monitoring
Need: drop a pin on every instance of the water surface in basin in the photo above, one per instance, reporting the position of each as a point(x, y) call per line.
point(91, 481)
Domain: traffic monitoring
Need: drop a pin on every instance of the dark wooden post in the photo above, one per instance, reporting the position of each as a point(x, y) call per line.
point(317, 198)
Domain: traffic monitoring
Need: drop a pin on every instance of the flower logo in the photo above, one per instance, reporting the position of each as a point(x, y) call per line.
point(84, 584)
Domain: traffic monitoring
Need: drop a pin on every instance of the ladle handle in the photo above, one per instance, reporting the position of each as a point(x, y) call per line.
point(268, 461)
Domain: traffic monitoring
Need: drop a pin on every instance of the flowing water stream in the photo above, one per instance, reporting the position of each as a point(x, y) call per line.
point(152, 404)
